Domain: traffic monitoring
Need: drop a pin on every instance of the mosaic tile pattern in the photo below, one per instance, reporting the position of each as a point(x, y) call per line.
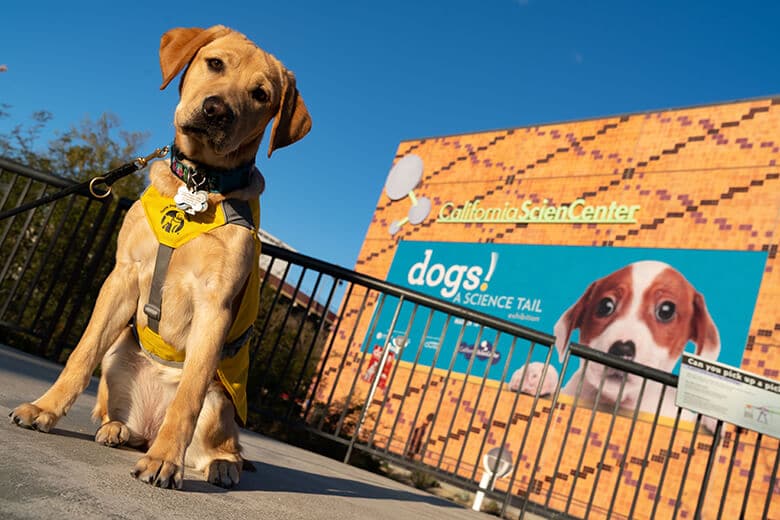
point(706, 177)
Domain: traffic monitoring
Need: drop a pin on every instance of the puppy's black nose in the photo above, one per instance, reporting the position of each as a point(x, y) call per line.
point(624, 349)
point(215, 109)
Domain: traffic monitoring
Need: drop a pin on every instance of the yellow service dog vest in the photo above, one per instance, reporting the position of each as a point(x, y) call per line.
point(174, 228)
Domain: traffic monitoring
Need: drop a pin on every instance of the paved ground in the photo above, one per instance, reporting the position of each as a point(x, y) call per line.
point(66, 475)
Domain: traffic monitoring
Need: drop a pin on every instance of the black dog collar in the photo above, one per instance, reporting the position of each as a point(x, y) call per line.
point(212, 179)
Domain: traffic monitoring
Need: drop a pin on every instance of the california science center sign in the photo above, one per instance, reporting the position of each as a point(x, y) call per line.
point(578, 212)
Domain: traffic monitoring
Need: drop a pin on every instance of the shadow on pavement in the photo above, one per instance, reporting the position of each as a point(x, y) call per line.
point(280, 479)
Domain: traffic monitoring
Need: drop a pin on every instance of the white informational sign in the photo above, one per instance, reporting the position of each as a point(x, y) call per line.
point(729, 394)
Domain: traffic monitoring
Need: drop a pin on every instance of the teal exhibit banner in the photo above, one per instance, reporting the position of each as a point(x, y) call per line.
point(643, 304)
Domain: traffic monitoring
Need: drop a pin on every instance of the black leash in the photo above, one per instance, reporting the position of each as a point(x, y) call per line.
point(91, 186)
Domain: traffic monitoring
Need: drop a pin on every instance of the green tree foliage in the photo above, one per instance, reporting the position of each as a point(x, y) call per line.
point(53, 259)
point(85, 150)
point(288, 344)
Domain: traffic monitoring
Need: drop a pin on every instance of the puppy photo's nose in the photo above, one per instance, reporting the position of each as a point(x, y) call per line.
point(624, 349)
point(215, 109)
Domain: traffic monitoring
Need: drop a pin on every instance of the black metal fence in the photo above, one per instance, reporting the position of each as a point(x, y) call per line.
point(381, 370)
point(573, 454)
point(52, 260)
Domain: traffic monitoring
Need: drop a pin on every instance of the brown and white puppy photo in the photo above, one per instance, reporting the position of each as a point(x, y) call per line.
point(174, 381)
point(645, 312)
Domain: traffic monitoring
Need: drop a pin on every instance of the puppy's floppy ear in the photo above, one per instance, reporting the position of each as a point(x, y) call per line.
point(570, 321)
point(703, 330)
point(178, 47)
point(292, 121)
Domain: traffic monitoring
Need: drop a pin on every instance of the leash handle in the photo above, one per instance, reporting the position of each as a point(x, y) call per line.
point(126, 169)
point(90, 186)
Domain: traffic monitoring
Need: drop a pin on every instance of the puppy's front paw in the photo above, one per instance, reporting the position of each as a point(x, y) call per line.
point(158, 472)
point(112, 434)
point(223, 473)
point(28, 415)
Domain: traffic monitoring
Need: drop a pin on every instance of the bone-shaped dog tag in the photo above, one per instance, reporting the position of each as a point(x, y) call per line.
point(191, 202)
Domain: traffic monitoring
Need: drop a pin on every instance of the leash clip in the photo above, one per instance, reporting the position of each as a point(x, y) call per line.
point(158, 153)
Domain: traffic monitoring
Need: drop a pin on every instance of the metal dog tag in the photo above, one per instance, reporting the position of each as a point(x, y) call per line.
point(191, 202)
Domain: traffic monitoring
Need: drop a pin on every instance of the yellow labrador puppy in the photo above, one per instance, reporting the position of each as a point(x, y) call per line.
point(174, 381)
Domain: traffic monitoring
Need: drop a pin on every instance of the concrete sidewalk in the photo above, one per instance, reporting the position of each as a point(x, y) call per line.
point(66, 475)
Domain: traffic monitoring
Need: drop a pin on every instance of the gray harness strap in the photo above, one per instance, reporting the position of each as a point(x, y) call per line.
point(236, 212)
point(153, 309)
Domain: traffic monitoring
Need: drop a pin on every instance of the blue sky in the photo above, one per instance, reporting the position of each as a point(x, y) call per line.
point(376, 73)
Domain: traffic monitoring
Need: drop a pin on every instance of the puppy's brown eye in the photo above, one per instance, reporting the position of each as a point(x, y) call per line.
point(605, 308)
point(215, 64)
point(665, 311)
point(260, 95)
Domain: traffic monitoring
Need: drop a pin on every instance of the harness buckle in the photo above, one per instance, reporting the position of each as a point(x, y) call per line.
point(152, 311)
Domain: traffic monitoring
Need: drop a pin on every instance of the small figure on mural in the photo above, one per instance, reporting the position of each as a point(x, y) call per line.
point(373, 364)
point(418, 434)
point(376, 363)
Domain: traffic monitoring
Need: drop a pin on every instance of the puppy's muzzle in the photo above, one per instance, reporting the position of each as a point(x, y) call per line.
point(623, 349)
point(213, 122)
point(217, 112)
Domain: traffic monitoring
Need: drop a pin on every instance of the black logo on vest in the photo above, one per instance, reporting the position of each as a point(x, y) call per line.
point(172, 221)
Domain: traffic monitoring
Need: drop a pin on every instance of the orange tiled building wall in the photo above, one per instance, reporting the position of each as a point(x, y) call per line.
point(706, 178)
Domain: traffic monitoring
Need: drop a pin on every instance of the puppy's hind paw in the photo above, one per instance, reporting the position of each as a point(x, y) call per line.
point(29, 416)
point(223, 473)
point(112, 434)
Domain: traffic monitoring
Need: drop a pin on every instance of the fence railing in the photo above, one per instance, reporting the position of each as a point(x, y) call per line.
point(402, 377)
point(378, 369)
point(52, 260)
